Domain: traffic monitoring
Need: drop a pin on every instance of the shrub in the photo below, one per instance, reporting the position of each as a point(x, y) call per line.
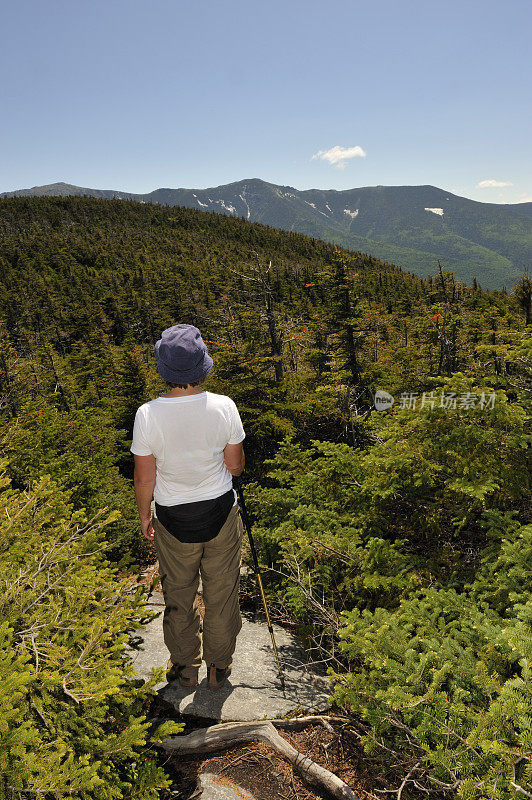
point(72, 723)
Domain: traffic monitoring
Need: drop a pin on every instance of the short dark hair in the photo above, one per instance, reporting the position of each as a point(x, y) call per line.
point(183, 385)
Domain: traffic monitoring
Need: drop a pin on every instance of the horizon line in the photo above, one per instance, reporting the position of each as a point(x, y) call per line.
point(243, 180)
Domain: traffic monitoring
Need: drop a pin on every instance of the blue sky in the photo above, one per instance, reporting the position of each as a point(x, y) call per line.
point(139, 94)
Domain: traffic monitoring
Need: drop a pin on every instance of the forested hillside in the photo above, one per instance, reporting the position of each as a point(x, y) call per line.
point(399, 541)
point(411, 226)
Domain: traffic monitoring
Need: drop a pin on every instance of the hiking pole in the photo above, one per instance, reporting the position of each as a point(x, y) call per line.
point(237, 480)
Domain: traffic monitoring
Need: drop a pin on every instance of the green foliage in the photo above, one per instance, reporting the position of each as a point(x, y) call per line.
point(480, 239)
point(80, 452)
point(420, 490)
point(73, 716)
point(398, 541)
point(408, 557)
point(448, 675)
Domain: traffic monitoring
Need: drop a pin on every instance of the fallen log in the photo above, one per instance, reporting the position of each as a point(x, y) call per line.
point(229, 734)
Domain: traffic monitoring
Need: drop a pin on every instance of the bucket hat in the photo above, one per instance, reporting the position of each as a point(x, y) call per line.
point(182, 355)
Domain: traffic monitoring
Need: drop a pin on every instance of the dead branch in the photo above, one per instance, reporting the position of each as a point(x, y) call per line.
point(330, 618)
point(297, 723)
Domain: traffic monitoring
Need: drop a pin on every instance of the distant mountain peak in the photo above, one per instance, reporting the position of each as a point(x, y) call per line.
point(411, 226)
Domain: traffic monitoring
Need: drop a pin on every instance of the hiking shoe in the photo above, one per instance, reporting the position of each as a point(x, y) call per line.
point(218, 675)
point(175, 672)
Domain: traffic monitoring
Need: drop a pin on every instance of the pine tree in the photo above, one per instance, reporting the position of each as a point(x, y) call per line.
point(73, 715)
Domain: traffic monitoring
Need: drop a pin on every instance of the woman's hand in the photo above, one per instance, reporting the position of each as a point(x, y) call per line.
point(147, 529)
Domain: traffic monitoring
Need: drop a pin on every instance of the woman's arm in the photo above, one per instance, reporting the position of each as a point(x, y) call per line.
point(144, 482)
point(235, 458)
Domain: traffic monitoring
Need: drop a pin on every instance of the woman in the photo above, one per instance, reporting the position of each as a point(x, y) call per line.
point(187, 444)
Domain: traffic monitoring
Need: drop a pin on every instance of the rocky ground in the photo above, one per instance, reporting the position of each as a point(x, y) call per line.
point(253, 692)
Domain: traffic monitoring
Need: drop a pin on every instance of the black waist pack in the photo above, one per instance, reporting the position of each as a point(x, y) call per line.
point(200, 521)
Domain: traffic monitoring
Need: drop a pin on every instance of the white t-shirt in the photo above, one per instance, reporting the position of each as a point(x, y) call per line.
point(187, 435)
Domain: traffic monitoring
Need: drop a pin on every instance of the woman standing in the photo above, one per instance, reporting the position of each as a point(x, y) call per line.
point(187, 444)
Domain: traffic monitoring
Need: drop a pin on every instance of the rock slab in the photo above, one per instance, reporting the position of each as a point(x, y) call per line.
point(220, 787)
point(253, 690)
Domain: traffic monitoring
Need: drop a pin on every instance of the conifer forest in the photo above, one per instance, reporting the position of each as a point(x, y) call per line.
point(388, 477)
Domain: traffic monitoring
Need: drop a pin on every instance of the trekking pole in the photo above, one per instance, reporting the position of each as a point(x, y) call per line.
point(237, 480)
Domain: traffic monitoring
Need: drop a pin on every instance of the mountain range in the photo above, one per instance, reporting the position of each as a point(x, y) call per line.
point(411, 226)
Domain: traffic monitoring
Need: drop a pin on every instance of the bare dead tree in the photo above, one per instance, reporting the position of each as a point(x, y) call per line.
point(523, 294)
point(261, 276)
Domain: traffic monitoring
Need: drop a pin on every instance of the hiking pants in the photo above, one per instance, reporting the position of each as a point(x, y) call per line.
point(180, 565)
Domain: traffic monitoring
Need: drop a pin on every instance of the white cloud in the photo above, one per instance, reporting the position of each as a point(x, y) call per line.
point(339, 156)
point(491, 184)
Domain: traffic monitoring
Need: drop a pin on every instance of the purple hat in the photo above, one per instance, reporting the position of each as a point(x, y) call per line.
point(182, 355)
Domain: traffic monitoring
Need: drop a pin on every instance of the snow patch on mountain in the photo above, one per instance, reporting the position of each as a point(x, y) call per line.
point(245, 203)
point(229, 208)
point(438, 211)
point(350, 213)
point(316, 209)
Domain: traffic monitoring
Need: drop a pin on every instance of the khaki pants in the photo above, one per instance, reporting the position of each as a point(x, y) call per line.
point(180, 565)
